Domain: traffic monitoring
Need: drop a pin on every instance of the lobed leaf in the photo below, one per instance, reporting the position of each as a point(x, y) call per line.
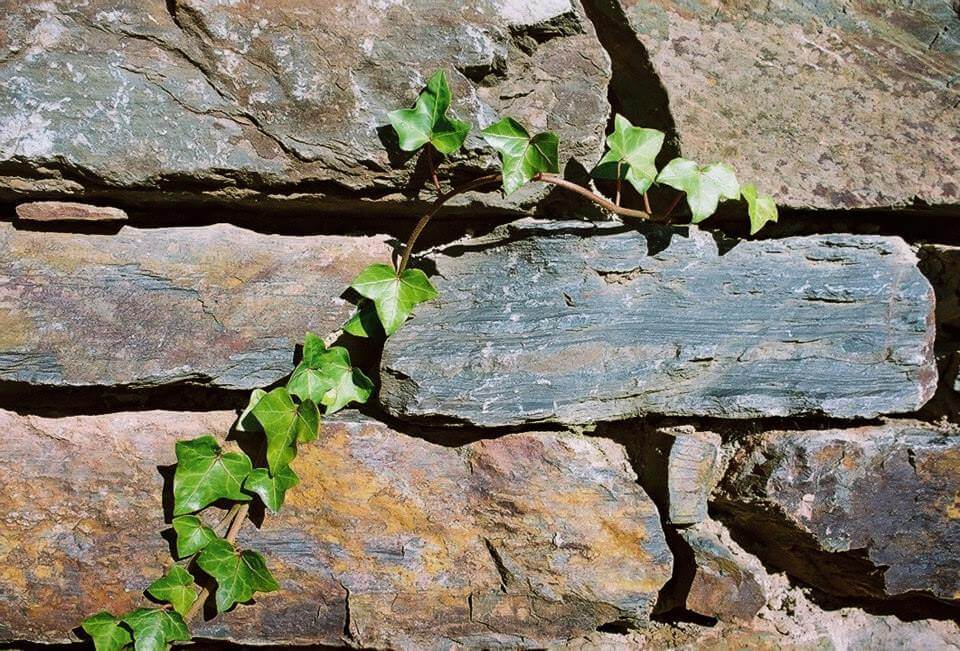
point(394, 297)
point(107, 632)
point(285, 423)
point(761, 208)
point(247, 422)
point(206, 474)
point(364, 322)
point(632, 155)
point(155, 628)
point(704, 186)
point(427, 121)
point(521, 156)
point(177, 588)
point(238, 574)
point(192, 534)
point(271, 488)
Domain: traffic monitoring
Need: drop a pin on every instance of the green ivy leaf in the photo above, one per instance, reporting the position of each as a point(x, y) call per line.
point(364, 322)
point(177, 588)
point(238, 574)
point(192, 534)
point(285, 423)
point(704, 186)
point(206, 474)
point(760, 207)
point(394, 297)
point(427, 120)
point(521, 156)
point(308, 383)
point(155, 628)
point(247, 422)
point(107, 632)
point(271, 489)
point(353, 386)
point(632, 154)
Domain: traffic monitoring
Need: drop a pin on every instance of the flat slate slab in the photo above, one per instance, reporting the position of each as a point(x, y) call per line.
point(387, 542)
point(547, 324)
point(215, 305)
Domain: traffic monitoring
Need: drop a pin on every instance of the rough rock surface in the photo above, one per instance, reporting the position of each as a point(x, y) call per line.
point(56, 211)
point(692, 473)
point(549, 325)
point(941, 264)
point(827, 103)
point(279, 99)
point(389, 541)
point(864, 512)
point(217, 305)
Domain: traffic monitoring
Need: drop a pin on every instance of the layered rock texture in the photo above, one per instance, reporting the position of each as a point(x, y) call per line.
point(601, 434)
point(605, 322)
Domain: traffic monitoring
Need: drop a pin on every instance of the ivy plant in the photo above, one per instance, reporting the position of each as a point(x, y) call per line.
point(211, 473)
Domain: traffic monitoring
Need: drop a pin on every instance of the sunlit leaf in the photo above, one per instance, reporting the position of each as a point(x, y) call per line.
point(192, 535)
point(632, 155)
point(285, 423)
point(107, 632)
point(427, 120)
point(761, 208)
point(238, 574)
point(176, 587)
point(205, 474)
point(364, 321)
point(155, 628)
point(394, 297)
point(704, 186)
point(271, 489)
point(521, 156)
point(247, 422)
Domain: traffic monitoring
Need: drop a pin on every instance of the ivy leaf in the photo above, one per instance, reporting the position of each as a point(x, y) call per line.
point(394, 297)
point(155, 628)
point(704, 186)
point(238, 574)
point(427, 120)
point(271, 489)
point(177, 588)
point(364, 322)
point(632, 154)
point(521, 156)
point(192, 534)
point(285, 423)
point(760, 207)
point(319, 371)
point(107, 632)
point(206, 474)
point(353, 386)
point(247, 422)
point(308, 383)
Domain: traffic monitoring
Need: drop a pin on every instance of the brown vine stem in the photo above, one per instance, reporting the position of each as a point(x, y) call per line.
point(552, 179)
point(239, 513)
point(433, 168)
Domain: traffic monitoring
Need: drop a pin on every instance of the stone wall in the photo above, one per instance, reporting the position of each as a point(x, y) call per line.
point(601, 435)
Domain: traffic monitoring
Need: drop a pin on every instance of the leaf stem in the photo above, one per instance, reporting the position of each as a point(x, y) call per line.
point(673, 205)
point(433, 168)
point(646, 203)
point(601, 201)
point(619, 184)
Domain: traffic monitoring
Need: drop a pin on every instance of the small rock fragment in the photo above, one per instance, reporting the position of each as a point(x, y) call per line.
point(68, 211)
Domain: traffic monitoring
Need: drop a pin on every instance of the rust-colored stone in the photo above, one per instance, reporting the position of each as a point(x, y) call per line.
point(56, 211)
point(389, 541)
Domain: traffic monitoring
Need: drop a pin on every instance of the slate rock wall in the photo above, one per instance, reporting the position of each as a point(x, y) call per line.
point(601, 435)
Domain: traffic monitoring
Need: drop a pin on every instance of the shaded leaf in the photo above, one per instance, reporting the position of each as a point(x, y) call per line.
point(394, 297)
point(704, 186)
point(192, 535)
point(247, 422)
point(427, 120)
point(107, 632)
point(155, 628)
point(205, 474)
point(364, 322)
point(238, 574)
point(632, 155)
point(761, 208)
point(177, 588)
point(285, 423)
point(521, 156)
point(271, 489)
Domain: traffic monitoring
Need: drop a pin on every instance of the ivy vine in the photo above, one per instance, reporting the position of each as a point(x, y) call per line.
point(325, 381)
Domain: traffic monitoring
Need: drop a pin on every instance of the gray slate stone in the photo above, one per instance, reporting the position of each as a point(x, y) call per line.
point(549, 325)
point(282, 100)
point(216, 305)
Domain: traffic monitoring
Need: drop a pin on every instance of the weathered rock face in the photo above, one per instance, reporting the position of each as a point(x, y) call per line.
point(59, 211)
point(865, 512)
point(389, 541)
point(626, 322)
point(283, 100)
point(217, 305)
point(826, 103)
point(941, 264)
